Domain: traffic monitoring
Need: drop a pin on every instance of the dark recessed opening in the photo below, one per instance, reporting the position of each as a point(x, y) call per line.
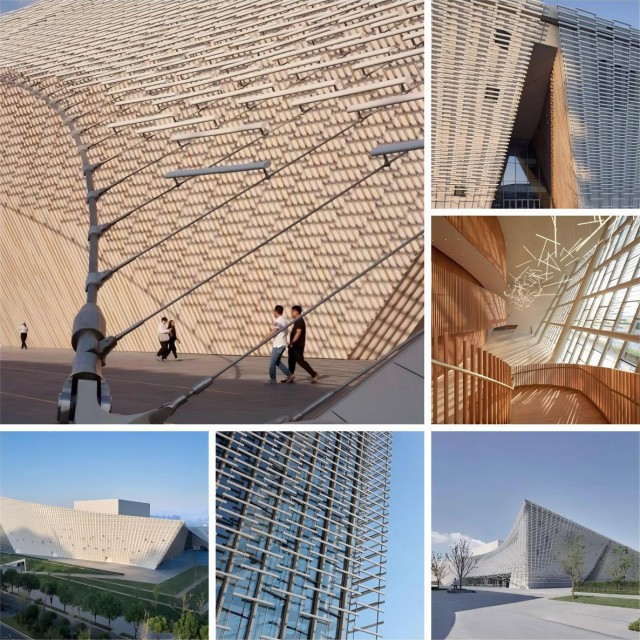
point(492, 93)
point(459, 191)
point(502, 38)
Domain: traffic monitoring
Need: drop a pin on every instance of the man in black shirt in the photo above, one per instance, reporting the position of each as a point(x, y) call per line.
point(296, 346)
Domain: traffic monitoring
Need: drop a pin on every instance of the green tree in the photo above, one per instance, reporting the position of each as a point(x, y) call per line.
point(29, 614)
point(65, 595)
point(621, 565)
point(203, 599)
point(40, 601)
point(187, 627)
point(110, 606)
point(158, 625)
point(461, 560)
point(204, 632)
point(572, 559)
point(11, 576)
point(50, 588)
point(64, 628)
point(439, 567)
point(91, 603)
point(135, 615)
point(185, 602)
point(84, 633)
point(30, 582)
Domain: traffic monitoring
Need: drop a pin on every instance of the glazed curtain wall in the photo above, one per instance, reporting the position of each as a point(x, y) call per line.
point(601, 303)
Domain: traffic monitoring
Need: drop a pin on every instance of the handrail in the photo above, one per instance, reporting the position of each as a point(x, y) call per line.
point(378, 363)
point(571, 365)
point(166, 410)
point(616, 394)
point(473, 373)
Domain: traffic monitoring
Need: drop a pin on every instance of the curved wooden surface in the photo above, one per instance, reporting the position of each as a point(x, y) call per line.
point(615, 393)
point(553, 405)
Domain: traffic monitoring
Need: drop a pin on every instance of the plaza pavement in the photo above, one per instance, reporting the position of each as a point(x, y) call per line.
point(513, 614)
point(30, 381)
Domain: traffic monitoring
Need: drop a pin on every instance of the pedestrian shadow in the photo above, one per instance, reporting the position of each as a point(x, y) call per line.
point(445, 606)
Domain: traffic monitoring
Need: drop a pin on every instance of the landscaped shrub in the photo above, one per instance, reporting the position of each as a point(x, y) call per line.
point(627, 586)
point(635, 626)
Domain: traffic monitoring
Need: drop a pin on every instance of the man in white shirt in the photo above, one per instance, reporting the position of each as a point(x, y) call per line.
point(279, 333)
point(163, 337)
point(23, 335)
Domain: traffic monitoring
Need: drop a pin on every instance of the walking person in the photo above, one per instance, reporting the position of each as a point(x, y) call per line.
point(24, 330)
point(296, 346)
point(163, 337)
point(173, 338)
point(279, 333)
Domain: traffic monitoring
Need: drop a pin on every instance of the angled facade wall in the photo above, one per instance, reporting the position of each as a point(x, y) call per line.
point(588, 132)
point(602, 74)
point(480, 56)
point(57, 532)
point(530, 554)
point(188, 84)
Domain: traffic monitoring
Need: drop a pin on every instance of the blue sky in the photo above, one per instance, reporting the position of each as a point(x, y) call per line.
point(404, 610)
point(169, 470)
point(479, 481)
point(622, 10)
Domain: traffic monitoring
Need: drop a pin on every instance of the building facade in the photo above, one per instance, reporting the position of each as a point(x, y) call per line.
point(301, 534)
point(533, 106)
point(530, 557)
point(104, 115)
point(98, 535)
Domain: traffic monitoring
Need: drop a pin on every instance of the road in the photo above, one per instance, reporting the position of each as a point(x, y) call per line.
point(8, 633)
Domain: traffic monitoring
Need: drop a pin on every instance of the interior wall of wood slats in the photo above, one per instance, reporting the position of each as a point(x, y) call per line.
point(458, 306)
point(461, 398)
point(485, 234)
point(615, 393)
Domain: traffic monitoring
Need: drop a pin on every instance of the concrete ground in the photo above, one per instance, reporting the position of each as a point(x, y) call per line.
point(513, 614)
point(30, 381)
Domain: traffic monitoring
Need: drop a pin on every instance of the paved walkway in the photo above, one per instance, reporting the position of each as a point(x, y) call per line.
point(31, 381)
point(513, 614)
point(553, 405)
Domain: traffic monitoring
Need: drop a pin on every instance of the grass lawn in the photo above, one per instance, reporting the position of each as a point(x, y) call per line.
point(172, 585)
point(81, 590)
point(122, 587)
point(628, 587)
point(627, 603)
point(48, 566)
point(196, 593)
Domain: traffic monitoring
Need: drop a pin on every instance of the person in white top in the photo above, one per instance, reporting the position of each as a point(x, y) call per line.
point(23, 335)
point(163, 337)
point(279, 332)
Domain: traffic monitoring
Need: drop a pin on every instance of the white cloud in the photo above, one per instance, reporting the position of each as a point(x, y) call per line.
point(453, 538)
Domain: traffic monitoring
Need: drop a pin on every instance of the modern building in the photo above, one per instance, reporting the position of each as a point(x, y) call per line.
point(536, 319)
point(301, 534)
point(533, 106)
point(530, 557)
point(183, 136)
point(112, 531)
